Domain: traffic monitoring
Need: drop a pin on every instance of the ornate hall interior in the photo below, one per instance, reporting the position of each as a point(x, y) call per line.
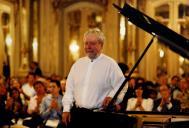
point(50, 33)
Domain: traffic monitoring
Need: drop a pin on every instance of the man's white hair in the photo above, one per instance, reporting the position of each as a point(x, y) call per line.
point(97, 32)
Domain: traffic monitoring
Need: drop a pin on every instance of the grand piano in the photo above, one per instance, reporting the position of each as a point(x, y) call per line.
point(110, 119)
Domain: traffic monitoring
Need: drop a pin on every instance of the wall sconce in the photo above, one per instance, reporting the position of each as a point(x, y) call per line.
point(161, 53)
point(181, 60)
point(74, 49)
point(8, 42)
point(122, 28)
point(35, 49)
point(98, 18)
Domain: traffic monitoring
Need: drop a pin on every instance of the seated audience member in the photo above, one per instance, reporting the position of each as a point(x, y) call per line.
point(51, 106)
point(27, 88)
point(174, 84)
point(150, 92)
point(14, 106)
point(162, 79)
point(166, 103)
point(182, 94)
point(34, 68)
point(48, 85)
point(16, 84)
point(35, 101)
point(130, 92)
point(4, 118)
point(140, 80)
point(34, 104)
point(139, 103)
point(124, 68)
point(63, 86)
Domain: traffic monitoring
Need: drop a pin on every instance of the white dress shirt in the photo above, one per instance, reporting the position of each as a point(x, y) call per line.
point(89, 82)
point(147, 104)
point(32, 104)
point(28, 90)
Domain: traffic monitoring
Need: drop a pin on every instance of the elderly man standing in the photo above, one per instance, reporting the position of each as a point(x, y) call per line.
point(93, 80)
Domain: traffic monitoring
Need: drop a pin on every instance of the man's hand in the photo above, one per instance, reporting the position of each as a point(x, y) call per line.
point(106, 102)
point(9, 103)
point(117, 107)
point(163, 101)
point(66, 117)
point(54, 104)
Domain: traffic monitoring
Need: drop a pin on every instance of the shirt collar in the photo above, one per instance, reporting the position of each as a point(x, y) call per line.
point(97, 58)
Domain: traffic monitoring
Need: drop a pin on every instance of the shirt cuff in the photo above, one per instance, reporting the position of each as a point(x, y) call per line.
point(169, 105)
point(66, 108)
point(159, 108)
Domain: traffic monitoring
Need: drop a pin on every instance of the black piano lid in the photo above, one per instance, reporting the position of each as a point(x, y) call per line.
point(174, 41)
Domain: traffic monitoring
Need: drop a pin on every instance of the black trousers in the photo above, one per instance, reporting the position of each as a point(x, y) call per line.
point(81, 118)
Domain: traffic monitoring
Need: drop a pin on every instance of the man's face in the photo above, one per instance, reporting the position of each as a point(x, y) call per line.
point(31, 78)
point(92, 46)
point(165, 92)
point(175, 81)
point(55, 88)
point(39, 88)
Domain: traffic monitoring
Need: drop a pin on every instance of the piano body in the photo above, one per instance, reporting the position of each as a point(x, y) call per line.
point(160, 120)
point(104, 119)
point(109, 119)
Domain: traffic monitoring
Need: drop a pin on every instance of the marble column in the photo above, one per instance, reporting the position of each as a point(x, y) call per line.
point(22, 20)
point(173, 58)
point(49, 39)
point(2, 51)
